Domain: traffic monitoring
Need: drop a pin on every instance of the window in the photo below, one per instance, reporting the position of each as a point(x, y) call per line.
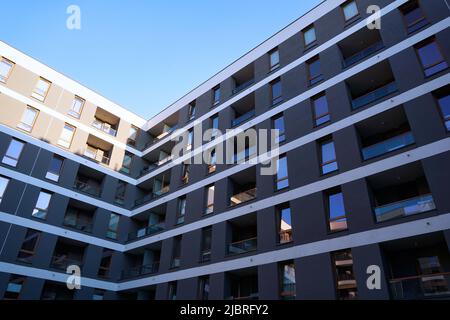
point(287, 271)
point(276, 92)
point(336, 211)
point(329, 163)
point(321, 112)
point(205, 254)
point(13, 153)
point(14, 287)
point(41, 89)
point(98, 295)
point(278, 124)
point(113, 226)
point(132, 136)
point(41, 208)
point(350, 10)
point(120, 193)
point(181, 210)
point(413, 16)
point(29, 245)
point(274, 57)
point(209, 199)
point(126, 163)
point(444, 106)
point(314, 72)
point(284, 224)
point(172, 290)
point(5, 69)
point(345, 278)
point(282, 180)
point(212, 162)
point(105, 263)
point(190, 138)
point(77, 107)
point(192, 110)
point(309, 36)
point(214, 126)
point(216, 96)
point(176, 252)
point(28, 119)
point(54, 170)
point(3, 185)
point(431, 57)
point(185, 173)
point(203, 288)
point(65, 140)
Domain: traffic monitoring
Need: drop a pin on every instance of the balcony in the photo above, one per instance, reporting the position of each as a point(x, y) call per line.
point(243, 246)
point(242, 284)
point(141, 270)
point(153, 188)
point(359, 46)
point(105, 127)
point(242, 86)
point(421, 286)
point(162, 129)
point(243, 196)
point(388, 145)
point(243, 118)
point(374, 95)
point(243, 79)
point(144, 232)
point(87, 186)
point(79, 216)
point(96, 155)
point(405, 208)
point(67, 252)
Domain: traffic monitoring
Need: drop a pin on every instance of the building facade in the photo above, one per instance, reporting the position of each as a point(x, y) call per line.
point(362, 187)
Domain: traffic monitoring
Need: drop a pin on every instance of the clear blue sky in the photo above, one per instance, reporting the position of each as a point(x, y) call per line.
point(144, 54)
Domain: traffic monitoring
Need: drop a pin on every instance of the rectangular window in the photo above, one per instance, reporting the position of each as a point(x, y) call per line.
point(278, 124)
point(321, 112)
point(209, 199)
point(105, 263)
point(216, 96)
point(328, 156)
point(77, 107)
point(212, 162)
point(41, 89)
point(29, 245)
point(287, 271)
point(274, 57)
point(28, 119)
point(185, 173)
point(431, 57)
point(54, 171)
point(192, 110)
point(276, 91)
point(190, 138)
point(13, 153)
point(126, 162)
point(284, 224)
point(350, 10)
point(41, 208)
point(337, 219)
point(14, 287)
point(113, 226)
point(444, 106)
point(6, 67)
point(3, 185)
point(205, 254)
point(345, 278)
point(282, 180)
point(203, 289)
point(314, 72)
point(181, 210)
point(65, 140)
point(132, 136)
point(413, 16)
point(172, 290)
point(309, 36)
point(176, 252)
point(120, 193)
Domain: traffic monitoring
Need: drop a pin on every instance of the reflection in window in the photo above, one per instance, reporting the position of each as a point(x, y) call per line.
point(54, 170)
point(276, 92)
point(284, 225)
point(274, 57)
point(282, 180)
point(41, 208)
point(431, 57)
point(321, 112)
point(278, 124)
point(41, 89)
point(336, 211)
point(329, 163)
point(444, 106)
point(309, 36)
point(13, 153)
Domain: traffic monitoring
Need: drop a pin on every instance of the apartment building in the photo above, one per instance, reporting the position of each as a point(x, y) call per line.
point(363, 116)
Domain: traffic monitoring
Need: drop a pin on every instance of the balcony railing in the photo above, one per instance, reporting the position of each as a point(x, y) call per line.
point(96, 156)
point(285, 236)
point(242, 86)
point(243, 197)
point(141, 270)
point(242, 246)
point(85, 227)
point(149, 197)
point(421, 286)
point(205, 256)
point(388, 145)
point(146, 231)
point(103, 126)
point(374, 95)
point(405, 208)
point(363, 54)
point(62, 262)
point(246, 116)
point(87, 188)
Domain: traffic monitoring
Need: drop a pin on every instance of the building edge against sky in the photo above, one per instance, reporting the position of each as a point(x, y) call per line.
point(364, 128)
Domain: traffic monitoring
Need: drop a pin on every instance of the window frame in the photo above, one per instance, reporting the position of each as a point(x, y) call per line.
point(352, 18)
point(111, 230)
point(319, 77)
point(14, 161)
point(215, 90)
point(275, 66)
point(36, 95)
point(62, 142)
point(279, 215)
point(278, 99)
point(422, 45)
point(25, 126)
point(409, 7)
point(209, 205)
point(281, 180)
point(4, 79)
point(322, 163)
point(41, 213)
point(37, 234)
point(328, 194)
point(313, 42)
point(72, 112)
point(282, 134)
point(315, 115)
point(445, 120)
point(2, 192)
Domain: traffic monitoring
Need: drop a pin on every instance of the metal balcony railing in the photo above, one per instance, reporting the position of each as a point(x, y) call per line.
point(242, 86)
point(87, 188)
point(141, 270)
point(374, 95)
point(103, 126)
point(363, 54)
point(243, 118)
point(421, 286)
point(96, 156)
point(404, 208)
point(146, 231)
point(388, 145)
point(242, 246)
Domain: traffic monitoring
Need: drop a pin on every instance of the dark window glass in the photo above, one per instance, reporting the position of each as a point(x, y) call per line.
point(315, 74)
point(329, 163)
point(276, 92)
point(444, 105)
point(413, 15)
point(278, 124)
point(29, 244)
point(431, 58)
